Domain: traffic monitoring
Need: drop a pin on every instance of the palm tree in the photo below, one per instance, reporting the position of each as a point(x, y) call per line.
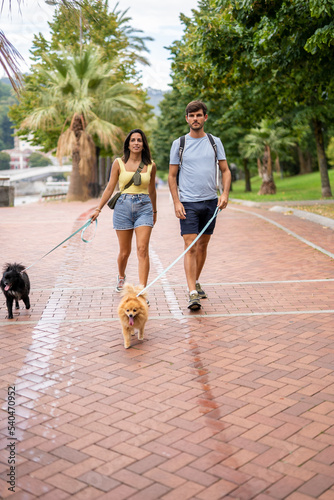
point(82, 97)
point(260, 143)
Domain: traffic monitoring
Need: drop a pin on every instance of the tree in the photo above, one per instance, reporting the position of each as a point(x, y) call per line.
point(260, 143)
point(38, 160)
point(292, 50)
point(4, 161)
point(91, 23)
point(233, 103)
point(330, 151)
point(261, 59)
point(6, 132)
point(82, 99)
point(116, 41)
point(170, 125)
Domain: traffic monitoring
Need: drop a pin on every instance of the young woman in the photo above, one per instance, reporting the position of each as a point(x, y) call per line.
point(136, 209)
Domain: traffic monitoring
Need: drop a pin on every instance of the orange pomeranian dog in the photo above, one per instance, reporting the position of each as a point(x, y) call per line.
point(132, 312)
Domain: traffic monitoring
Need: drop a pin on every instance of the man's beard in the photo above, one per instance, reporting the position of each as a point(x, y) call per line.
point(197, 127)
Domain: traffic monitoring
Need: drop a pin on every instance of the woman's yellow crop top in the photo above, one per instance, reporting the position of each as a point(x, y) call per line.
point(125, 177)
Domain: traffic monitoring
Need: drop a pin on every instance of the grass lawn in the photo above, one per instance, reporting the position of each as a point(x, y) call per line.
point(298, 187)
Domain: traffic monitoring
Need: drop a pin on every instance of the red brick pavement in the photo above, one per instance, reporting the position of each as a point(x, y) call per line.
point(235, 401)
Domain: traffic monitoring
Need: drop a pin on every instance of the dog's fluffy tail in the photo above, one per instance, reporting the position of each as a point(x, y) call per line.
point(130, 288)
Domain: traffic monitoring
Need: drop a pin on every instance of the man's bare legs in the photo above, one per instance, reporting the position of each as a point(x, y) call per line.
point(143, 234)
point(194, 259)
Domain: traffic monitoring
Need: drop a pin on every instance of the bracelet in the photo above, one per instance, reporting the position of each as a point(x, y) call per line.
point(97, 209)
point(155, 212)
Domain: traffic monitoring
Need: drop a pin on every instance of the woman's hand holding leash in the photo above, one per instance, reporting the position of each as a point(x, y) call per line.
point(95, 215)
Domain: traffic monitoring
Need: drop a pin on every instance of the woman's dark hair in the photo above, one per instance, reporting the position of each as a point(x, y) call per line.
point(146, 153)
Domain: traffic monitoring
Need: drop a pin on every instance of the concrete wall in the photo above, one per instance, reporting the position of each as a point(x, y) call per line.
point(7, 196)
point(24, 188)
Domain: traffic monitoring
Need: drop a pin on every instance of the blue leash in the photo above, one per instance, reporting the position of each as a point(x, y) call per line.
point(82, 228)
point(182, 254)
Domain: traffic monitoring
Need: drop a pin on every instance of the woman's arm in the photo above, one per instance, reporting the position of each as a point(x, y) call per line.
point(153, 192)
point(114, 175)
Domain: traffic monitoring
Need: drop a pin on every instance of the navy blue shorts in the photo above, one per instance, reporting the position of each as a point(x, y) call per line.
point(198, 214)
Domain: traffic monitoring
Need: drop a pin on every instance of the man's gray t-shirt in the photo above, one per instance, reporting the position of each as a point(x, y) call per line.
point(197, 178)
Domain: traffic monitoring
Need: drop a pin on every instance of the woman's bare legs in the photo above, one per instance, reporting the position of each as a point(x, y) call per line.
point(143, 234)
point(124, 241)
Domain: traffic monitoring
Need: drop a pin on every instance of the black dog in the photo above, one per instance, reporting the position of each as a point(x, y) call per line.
point(15, 285)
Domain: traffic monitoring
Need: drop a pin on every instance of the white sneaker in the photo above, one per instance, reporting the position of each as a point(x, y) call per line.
point(120, 284)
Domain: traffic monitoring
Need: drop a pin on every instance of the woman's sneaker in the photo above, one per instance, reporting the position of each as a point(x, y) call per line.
point(120, 284)
point(194, 301)
point(200, 291)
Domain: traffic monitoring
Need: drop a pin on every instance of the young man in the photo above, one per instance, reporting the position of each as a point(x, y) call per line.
point(195, 199)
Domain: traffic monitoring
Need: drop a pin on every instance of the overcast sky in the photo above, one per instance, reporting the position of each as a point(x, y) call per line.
point(160, 20)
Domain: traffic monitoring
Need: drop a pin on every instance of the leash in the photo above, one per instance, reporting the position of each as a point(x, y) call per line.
point(82, 228)
point(182, 254)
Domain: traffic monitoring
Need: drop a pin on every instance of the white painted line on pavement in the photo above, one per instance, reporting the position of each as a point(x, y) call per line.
point(172, 316)
point(171, 299)
point(184, 285)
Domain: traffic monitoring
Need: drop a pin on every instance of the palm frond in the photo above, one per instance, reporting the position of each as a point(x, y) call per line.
point(66, 143)
point(110, 135)
point(9, 60)
point(80, 105)
point(42, 117)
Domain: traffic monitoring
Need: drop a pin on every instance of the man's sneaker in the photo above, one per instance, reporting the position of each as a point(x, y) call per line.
point(120, 284)
point(201, 292)
point(194, 301)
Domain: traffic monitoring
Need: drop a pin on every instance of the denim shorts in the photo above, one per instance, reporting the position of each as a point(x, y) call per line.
point(133, 210)
point(198, 214)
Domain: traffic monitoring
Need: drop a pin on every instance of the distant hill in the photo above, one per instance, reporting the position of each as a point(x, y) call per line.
point(155, 96)
point(6, 81)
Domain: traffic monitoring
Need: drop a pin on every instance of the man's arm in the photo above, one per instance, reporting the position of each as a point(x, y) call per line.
point(226, 180)
point(172, 183)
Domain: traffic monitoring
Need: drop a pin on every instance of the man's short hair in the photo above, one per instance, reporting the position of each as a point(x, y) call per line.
point(196, 106)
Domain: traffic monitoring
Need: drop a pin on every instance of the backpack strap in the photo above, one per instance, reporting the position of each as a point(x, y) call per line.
point(218, 172)
point(181, 148)
point(214, 145)
point(183, 142)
